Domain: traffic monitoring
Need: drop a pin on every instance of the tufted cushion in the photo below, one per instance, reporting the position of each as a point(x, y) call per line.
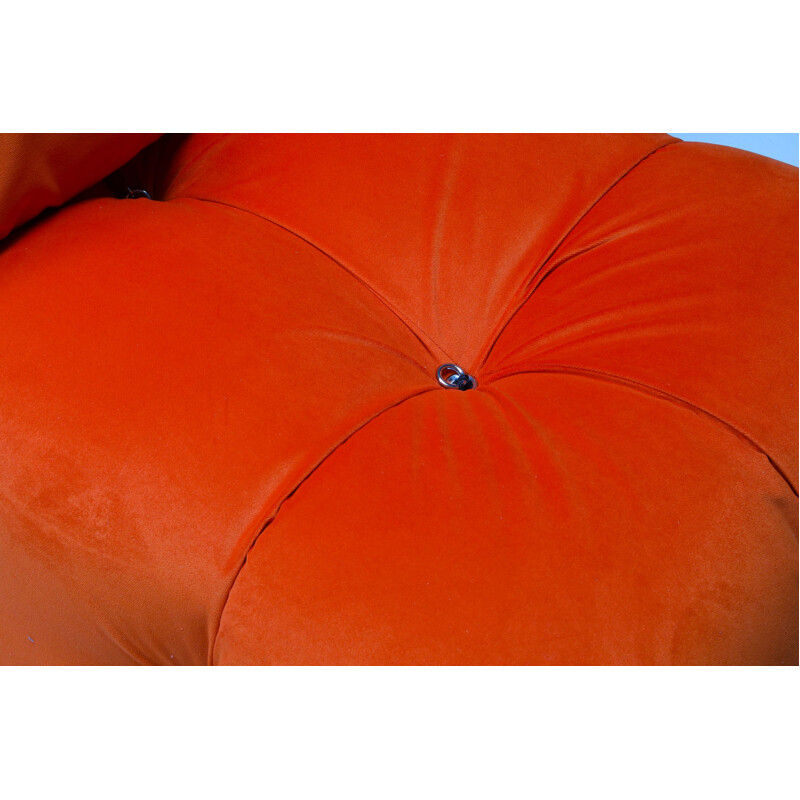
point(224, 441)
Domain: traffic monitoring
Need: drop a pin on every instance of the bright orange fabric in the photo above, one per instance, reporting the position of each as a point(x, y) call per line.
point(224, 441)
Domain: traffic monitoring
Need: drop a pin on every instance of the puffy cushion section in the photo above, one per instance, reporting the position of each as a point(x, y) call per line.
point(38, 170)
point(684, 278)
point(542, 519)
point(171, 371)
point(444, 227)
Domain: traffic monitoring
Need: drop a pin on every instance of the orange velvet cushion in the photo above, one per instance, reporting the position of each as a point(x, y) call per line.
point(224, 440)
point(38, 170)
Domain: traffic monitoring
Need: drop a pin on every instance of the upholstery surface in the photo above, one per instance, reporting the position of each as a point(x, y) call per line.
point(223, 440)
point(38, 170)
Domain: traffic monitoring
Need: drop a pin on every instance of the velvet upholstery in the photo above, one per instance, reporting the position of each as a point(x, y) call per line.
point(222, 439)
point(38, 170)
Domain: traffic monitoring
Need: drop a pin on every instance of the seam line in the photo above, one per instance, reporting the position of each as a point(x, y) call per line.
point(277, 507)
point(531, 279)
point(417, 332)
point(646, 388)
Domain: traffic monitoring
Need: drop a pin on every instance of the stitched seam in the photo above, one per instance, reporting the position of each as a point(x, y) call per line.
point(271, 518)
point(417, 332)
point(531, 279)
point(646, 388)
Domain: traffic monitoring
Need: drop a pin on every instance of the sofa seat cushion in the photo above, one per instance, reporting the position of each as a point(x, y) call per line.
point(225, 441)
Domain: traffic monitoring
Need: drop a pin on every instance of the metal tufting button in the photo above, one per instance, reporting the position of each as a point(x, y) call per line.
point(451, 376)
point(134, 193)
